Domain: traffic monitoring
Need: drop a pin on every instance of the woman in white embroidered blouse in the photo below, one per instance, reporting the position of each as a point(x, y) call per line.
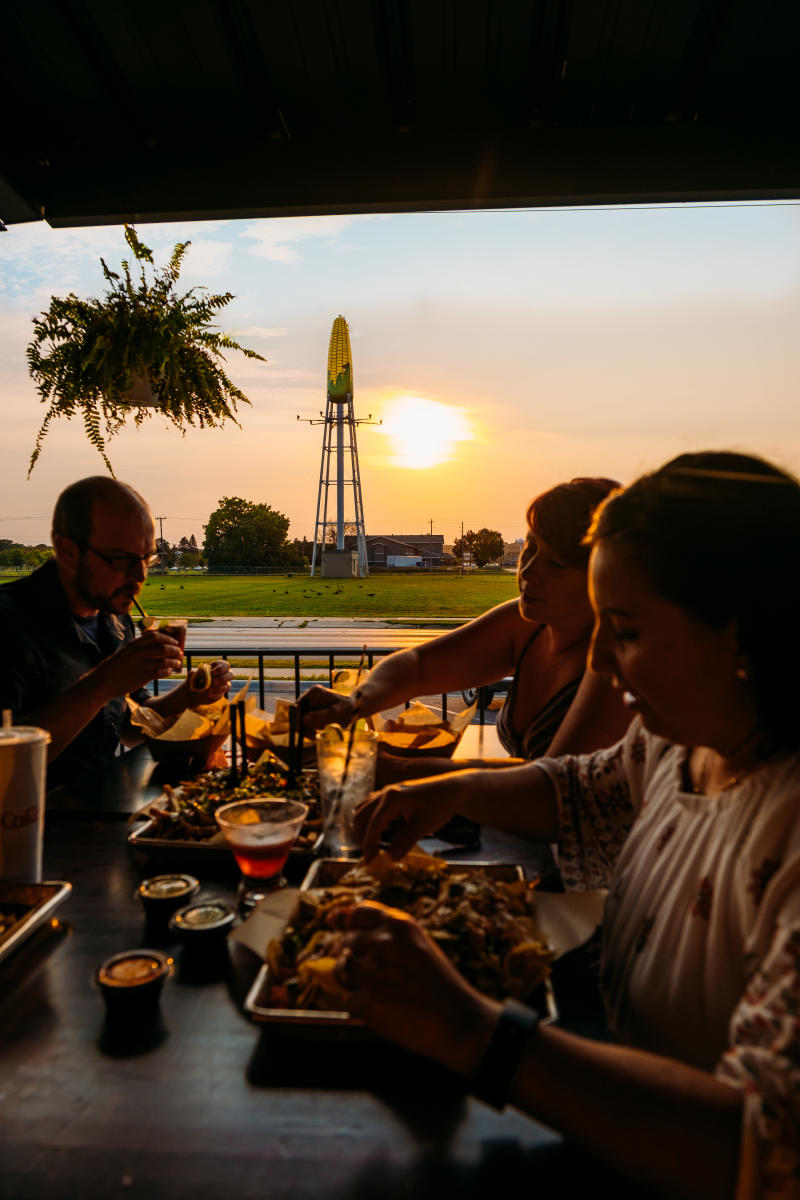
point(692, 821)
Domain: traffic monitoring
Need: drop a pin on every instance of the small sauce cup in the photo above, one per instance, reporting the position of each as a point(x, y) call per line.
point(162, 894)
point(204, 922)
point(131, 981)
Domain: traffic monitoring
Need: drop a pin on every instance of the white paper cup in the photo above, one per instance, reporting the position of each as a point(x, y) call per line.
point(23, 770)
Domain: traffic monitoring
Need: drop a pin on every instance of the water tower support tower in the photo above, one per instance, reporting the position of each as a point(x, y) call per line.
point(339, 466)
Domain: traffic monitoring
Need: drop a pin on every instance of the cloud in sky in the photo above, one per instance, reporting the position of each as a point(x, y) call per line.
point(262, 331)
point(279, 240)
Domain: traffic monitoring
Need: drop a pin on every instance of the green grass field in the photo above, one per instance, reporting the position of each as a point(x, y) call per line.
point(385, 597)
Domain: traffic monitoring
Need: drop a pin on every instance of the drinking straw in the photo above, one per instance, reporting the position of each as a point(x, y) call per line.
point(145, 622)
point(233, 778)
point(291, 758)
point(351, 729)
point(242, 737)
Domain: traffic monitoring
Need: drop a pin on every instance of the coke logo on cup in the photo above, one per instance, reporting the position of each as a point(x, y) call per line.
point(17, 820)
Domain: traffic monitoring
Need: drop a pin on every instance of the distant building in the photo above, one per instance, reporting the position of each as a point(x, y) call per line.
point(511, 552)
point(423, 550)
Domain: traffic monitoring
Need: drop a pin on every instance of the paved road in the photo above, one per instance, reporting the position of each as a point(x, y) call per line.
point(236, 634)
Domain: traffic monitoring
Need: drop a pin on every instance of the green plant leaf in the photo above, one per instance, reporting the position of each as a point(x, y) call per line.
point(84, 354)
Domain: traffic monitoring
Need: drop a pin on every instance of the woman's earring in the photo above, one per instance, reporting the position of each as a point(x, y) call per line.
point(742, 673)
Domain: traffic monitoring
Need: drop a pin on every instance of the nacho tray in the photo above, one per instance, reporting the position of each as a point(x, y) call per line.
point(31, 904)
point(326, 872)
point(213, 852)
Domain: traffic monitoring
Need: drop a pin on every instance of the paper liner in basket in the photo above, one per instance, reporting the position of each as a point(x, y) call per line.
point(417, 732)
point(565, 920)
point(275, 734)
point(568, 918)
point(197, 733)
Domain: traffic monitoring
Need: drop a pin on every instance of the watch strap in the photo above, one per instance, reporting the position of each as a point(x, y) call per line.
point(496, 1070)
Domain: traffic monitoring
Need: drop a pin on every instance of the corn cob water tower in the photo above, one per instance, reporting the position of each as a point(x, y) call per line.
point(339, 469)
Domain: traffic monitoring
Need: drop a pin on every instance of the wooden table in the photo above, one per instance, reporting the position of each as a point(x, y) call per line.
point(479, 741)
point(207, 1104)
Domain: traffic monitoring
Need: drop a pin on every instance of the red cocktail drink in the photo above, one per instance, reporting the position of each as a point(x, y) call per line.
point(261, 833)
point(262, 861)
point(175, 629)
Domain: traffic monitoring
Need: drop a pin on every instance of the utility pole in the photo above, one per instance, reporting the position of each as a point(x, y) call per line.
point(161, 521)
point(462, 547)
point(431, 526)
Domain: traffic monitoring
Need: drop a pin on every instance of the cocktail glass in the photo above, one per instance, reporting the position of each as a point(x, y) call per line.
point(175, 627)
point(261, 832)
point(340, 793)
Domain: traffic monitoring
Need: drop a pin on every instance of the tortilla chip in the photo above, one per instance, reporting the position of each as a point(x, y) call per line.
point(146, 719)
point(461, 720)
point(188, 726)
point(418, 731)
point(418, 714)
point(345, 681)
point(201, 679)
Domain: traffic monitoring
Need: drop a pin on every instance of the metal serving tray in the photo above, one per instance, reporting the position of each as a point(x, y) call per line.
point(326, 872)
point(213, 851)
point(31, 904)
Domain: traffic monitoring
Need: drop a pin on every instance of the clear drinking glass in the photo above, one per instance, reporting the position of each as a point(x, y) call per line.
point(339, 796)
point(175, 627)
point(261, 832)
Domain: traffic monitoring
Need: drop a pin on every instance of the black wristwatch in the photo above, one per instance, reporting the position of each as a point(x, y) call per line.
point(492, 1080)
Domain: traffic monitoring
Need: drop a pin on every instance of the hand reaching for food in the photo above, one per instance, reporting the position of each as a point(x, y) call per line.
point(393, 968)
point(416, 809)
point(322, 707)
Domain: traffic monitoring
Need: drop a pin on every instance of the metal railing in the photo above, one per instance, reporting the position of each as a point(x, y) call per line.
point(260, 654)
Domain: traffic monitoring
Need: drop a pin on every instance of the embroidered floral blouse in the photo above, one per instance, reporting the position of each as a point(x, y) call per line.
point(701, 934)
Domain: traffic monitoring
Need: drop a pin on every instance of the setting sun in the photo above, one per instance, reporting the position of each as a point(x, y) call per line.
point(424, 432)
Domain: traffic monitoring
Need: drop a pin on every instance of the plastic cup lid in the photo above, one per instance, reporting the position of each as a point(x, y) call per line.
point(20, 735)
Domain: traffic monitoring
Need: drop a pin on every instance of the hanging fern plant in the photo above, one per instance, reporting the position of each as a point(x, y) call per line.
point(86, 355)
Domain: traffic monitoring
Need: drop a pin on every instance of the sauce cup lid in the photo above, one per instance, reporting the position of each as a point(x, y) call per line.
point(210, 916)
point(130, 970)
point(167, 889)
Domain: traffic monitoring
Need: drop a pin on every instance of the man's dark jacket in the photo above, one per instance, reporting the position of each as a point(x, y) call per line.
point(44, 651)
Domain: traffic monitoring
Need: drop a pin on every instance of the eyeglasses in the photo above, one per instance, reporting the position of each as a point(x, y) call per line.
point(122, 562)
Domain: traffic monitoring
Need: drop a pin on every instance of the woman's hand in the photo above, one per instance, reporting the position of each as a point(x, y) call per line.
point(419, 808)
point(405, 989)
point(322, 707)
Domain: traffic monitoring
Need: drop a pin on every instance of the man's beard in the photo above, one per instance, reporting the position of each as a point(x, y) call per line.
point(94, 599)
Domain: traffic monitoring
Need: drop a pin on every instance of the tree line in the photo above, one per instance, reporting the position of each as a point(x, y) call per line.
point(19, 557)
point(241, 533)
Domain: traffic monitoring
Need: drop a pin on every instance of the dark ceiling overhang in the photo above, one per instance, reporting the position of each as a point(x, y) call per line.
point(226, 108)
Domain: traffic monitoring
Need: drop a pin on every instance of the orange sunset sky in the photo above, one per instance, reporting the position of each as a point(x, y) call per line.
point(503, 352)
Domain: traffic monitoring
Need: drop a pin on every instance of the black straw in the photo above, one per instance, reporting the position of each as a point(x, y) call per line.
point(233, 778)
point(295, 721)
point(243, 737)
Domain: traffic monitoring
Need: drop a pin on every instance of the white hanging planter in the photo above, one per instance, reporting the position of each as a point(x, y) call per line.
point(141, 394)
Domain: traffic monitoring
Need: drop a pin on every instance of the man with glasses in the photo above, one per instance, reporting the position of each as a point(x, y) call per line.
point(68, 654)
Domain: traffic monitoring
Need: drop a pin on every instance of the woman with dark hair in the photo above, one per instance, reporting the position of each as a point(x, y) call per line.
point(692, 823)
point(542, 639)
